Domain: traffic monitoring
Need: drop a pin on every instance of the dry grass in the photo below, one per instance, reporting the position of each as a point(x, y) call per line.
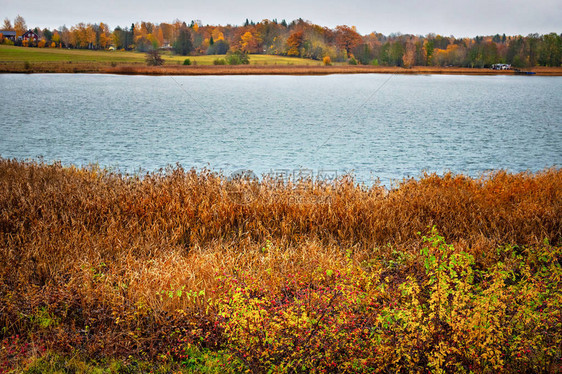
point(94, 248)
point(305, 69)
point(314, 70)
point(41, 67)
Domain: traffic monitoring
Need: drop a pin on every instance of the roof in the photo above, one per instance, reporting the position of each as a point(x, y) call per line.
point(8, 33)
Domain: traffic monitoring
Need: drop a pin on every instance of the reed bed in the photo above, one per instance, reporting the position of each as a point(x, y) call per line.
point(131, 68)
point(313, 70)
point(160, 266)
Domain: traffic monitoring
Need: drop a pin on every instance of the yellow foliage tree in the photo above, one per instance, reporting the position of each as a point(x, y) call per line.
point(105, 39)
point(245, 40)
point(20, 27)
point(248, 43)
point(217, 35)
point(55, 38)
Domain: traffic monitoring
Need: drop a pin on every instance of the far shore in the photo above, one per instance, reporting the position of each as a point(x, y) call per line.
point(141, 69)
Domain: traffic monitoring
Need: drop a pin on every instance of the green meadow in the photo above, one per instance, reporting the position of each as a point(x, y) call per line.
point(35, 55)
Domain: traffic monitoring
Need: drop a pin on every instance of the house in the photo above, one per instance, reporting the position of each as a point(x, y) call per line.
point(30, 36)
point(11, 35)
point(501, 67)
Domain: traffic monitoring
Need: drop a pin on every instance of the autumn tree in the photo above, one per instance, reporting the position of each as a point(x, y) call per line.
point(409, 54)
point(104, 38)
point(20, 27)
point(295, 43)
point(90, 35)
point(78, 35)
point(160, 36)
point(267, 31)
point(249, 43)
point(347, 38)
point(167, 32)
point(64, 35)
point(55, 38)
point(7, 25)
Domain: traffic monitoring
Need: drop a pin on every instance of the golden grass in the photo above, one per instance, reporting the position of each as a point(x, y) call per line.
point(306, 68)
point(312, 70)
point(90, 245)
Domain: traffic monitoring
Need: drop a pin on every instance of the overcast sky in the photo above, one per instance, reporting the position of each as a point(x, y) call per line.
point(445, 17)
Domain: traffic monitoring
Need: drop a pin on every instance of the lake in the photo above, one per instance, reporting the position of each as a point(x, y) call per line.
point(373, 126)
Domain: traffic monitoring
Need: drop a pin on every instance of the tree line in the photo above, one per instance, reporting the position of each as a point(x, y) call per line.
point(301, 38)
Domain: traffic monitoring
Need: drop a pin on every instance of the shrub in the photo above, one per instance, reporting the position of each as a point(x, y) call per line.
point(327, 61)
point(451, 318)
point(187, 61)
point(352, 61)
point(237, 58)
point(219, 61)
point(153, 58)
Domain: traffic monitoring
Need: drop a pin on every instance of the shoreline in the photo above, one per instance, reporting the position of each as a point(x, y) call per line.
point(199, 70)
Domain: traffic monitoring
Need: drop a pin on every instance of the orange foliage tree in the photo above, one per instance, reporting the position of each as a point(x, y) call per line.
point(249, 43)
point(409, 55)
point(295, 43)
point(347, 38)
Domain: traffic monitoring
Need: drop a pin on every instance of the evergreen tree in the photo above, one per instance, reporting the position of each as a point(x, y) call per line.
point(183, 45)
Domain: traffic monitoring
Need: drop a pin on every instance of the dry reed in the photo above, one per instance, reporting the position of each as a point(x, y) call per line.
point(95, 248)
point(141, 69)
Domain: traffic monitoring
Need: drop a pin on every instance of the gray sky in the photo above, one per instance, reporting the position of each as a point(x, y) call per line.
point(445, 17)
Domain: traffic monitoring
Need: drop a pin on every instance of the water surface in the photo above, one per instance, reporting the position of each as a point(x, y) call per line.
point(374, 126)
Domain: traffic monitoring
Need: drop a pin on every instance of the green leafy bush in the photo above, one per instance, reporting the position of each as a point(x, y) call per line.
point(237, 58)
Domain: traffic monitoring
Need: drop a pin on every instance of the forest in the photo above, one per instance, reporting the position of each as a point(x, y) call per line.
point(301, 38)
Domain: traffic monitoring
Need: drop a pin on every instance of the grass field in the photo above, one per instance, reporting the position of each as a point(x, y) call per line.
point(185, 271)
point(47, 60)
point(38, 55)
point(34, 55)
